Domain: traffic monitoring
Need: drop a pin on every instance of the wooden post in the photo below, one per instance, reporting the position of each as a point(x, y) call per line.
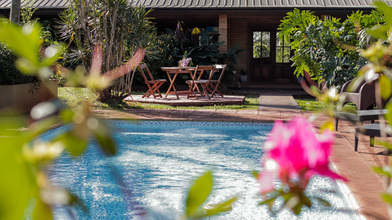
point(223, 23)
point(15, 11)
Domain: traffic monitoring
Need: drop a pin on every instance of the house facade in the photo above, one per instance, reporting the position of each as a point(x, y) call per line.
point(251, 24)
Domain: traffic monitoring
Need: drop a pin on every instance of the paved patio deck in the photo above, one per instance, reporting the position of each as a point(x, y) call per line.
point(183, 101)
point(365, 185)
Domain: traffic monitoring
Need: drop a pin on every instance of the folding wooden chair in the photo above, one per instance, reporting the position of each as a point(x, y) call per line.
point(153, 84)
point(213, 85)
point(194, 90)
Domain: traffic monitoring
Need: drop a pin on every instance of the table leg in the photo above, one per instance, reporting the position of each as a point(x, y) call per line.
point(172, 84)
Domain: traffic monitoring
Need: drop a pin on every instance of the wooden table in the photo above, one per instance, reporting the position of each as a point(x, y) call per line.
point(172, 73)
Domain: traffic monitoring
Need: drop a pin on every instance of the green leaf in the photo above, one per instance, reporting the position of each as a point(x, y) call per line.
point(255, 174)
point(297, 208)
point(198, 193)
point(42, 211)
point(76, 201)
point(306, 201)
point(24, 41)
point(26, 66)
point(387, 198)
point(386, 170)
point(67, 115)
point(17, 182)
point(388, 116)
point(214, 209)
point(385, 87)
point(73, 144)
point(322, 201)
point(383, 7)
point(269, 201)
point(41, 126)
point(104, 137)
point(52, 54)
point(387, 145)
point(379, 32)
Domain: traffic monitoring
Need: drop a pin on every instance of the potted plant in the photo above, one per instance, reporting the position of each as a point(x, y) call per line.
point(243, 76)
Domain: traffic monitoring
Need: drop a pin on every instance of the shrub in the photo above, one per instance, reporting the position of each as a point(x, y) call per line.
point(163, 54)
point(9, 74)
point(203, 47)
point(327, 48)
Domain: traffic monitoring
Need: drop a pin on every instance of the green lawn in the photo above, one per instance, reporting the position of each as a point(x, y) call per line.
point(311, 104)
point(75, 96)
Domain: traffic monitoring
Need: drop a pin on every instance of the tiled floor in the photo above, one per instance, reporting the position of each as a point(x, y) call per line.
point(364, 184)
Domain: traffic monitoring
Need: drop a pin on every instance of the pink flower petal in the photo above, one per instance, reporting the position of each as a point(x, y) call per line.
point(266, 181)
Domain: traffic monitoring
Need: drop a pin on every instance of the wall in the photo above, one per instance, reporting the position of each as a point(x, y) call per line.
point(22, 98)
point(240, 31)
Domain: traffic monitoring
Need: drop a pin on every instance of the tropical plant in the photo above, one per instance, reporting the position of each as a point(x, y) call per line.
point(120, 27)
point(203, 48)
point(317, 44)
point(27, 10)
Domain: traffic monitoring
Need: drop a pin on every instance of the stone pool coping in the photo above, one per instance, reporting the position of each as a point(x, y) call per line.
point(364, 184)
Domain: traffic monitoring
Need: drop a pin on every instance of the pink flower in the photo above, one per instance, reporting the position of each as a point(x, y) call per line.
point(185, 61)
point(295, 153)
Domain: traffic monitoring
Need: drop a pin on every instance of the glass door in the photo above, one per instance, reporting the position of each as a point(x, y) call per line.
point(270, 60)
point(261, 55)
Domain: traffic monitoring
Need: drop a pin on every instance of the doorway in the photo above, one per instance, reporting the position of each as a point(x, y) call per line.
point(270, 59)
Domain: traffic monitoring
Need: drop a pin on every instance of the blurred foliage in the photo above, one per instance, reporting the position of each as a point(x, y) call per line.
point(328, 48)
point(26, 190)
point(379, 54)
point(197, 196)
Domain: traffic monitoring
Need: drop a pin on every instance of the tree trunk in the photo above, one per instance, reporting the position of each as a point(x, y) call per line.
point(104, 95)
point(15, 11)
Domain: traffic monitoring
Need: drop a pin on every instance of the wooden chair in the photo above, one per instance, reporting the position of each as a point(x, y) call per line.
point(194, 89)
point(213, 85)
point(153, 84)
point(363, 97)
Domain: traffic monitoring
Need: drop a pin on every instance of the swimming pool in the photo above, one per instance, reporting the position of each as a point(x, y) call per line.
point(157, 161)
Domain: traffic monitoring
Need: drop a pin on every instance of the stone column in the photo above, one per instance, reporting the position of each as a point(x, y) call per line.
point(223, 33)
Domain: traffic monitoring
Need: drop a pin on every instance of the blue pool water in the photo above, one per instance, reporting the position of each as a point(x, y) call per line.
point(157, 161)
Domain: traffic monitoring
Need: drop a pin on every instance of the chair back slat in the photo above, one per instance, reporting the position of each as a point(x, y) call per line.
point(143, 67)
point(220, 68)
point(204, 69)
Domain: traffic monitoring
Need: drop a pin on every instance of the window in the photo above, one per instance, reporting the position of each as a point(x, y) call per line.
point(261, 44)
point(283, 49)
